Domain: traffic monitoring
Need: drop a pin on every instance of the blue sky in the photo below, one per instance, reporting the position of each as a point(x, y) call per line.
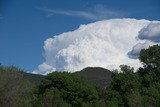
point(26, 24)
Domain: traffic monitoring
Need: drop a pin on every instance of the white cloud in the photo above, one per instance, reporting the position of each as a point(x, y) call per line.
point(98, 12)
point(44, 69)
point(151, 32)
point(102, 44)
point(134, 53)
point(150, 36)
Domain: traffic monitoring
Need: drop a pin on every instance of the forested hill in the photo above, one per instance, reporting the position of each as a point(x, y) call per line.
point(96, 75)
point(33, 78)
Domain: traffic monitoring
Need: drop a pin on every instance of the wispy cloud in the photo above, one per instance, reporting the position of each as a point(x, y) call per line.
point(98, 12)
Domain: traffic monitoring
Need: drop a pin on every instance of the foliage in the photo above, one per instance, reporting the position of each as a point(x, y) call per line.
point(15, 90)
point(140, 89)
point(73, 88)
point(150, 56)
point(124, 85)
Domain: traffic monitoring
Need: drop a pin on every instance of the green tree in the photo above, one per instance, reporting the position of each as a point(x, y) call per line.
point(73, 88)
point(124, 85)
point(51, 98)
point(151, 56)
point(150, 76)
point(15, 90)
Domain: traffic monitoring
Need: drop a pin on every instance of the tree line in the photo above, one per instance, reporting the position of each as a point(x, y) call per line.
point(62, 89)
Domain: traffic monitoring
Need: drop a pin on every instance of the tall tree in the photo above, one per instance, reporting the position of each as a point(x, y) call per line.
point(151, 56)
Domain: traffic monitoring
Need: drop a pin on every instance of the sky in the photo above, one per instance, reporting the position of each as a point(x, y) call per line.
point(26, 24)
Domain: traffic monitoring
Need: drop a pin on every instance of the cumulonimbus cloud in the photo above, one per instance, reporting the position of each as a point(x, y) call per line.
point(100, 44)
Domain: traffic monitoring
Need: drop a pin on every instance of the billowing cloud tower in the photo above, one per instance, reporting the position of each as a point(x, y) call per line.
point(107, 43)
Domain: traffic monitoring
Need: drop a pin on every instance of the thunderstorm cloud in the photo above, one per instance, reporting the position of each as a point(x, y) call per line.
point(107, 44)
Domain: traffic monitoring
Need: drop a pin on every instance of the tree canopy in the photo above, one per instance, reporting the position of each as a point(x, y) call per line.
point(150, 56)
point(72, 88)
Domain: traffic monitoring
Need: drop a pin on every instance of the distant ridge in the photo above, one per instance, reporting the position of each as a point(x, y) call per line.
point(33, 78)
point(96, 75)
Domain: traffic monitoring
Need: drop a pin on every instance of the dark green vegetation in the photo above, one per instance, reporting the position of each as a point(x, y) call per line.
point(71, 89)
point(97, 76)
point(15, 90)
point(91, 87)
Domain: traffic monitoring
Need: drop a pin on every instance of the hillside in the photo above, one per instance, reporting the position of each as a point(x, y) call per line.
point(96, 75)
point(33, 78)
